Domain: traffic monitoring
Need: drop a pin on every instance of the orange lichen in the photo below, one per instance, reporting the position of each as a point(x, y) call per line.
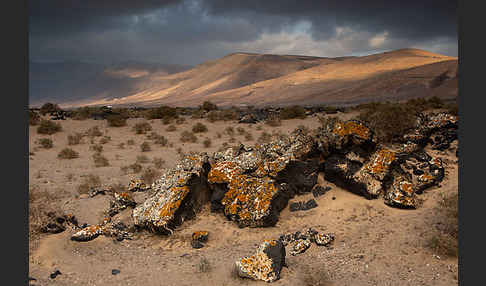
point(351, 128)
point(380, 162)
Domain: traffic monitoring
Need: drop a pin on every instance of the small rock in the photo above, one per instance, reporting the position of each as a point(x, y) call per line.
point(295, 206)
point(115, 271)
point(196, 244)
point(320, 190)
point(333, 198)
point(310, 204)
point(54, 274)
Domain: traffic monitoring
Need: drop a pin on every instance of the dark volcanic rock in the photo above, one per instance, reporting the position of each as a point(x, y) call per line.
point(318, 190)
point(265, 264)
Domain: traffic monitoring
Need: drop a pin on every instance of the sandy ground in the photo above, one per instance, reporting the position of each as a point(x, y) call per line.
point(375, 244)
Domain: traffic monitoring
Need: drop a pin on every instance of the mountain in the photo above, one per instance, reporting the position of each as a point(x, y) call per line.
point(263, 79)
point(64, 82)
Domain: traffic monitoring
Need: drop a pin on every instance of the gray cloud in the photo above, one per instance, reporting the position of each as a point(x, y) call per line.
point(192, 31)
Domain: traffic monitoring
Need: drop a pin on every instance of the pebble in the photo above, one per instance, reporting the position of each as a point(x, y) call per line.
point(115, 271)
point(54, 274)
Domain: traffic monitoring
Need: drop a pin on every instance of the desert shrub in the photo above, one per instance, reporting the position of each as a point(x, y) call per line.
point(389, 121)
point(232, 140)
point(96, 147)
point(89, 181)
point(180, 120)
point(145, 147)
point(161, 112)
point(75, 139)
point(45, 143)
point(48, 108)
point(452, 109)
point(248, 137)
point(204, 266)
point(435, 102)
point(150, 175)
point(197, 114)
point(229, 130)
point(105, 139)
point(218, 135)
point(67, 153)
point(158, 162)
point(142, 159)
point(187, 136)
point(100, 160)
point(142, 127)
point(167, 120)
point(48, 127)
point(273, 120)
point(445, 239)
point(134, 168)
point(209, 106)
point(240, 130)
point(171, 128)
point(259, 128)
point(130, 142)
point(229, 114)
point(121, 145)
point(161, 140)
point(34, 118)
point(116, 120)
point(292, 112)
point(93, 132)
point(199, 128)
point(207, 143)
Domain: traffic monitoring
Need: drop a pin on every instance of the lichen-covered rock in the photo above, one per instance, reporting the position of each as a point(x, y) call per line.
point(122, 200)
point(265, 264)
point(106, 227)
point(179, 194)
point(88, 233)
point(323, 239)
point(137, 185)
point(199, 238)
point(299, 246)
point(252, 185)
point(401, 194)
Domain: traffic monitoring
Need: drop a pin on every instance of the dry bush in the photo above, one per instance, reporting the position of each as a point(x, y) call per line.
point(45, 143)
point(207, 143)
point(100, 160)
point(39, 208)
point(116, 120)
point(180, 120)
point(89, 181)
point(142, 159)
point(34, 118)
point(142, 127)
point(145, 147)
point(161, 112)
point(67, 153)
point(248, 137)
point(135, 168)
point(167, 120)
point(121, 145)
point(229, 130)
point(259, 128)
point(150, 175)
point(241, 130)
point(75, 139)
point(171, 128)
point(204, 266)
point(208, 106)
point(93, 132)
point(48, 108)
point(199, 128)
point(105, 139)
point(273, 121)
point(130, 142)
point(445, 238)
point(161, 140)
point(198, 114)
point(70, 177)
point(158, 162)
point(218, 135)
point(187, 136)
point(96, 147)
point(292, 112)
point(389, 121)
point(48, 127)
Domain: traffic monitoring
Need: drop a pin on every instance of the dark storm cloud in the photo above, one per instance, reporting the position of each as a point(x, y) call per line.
point(192, 31)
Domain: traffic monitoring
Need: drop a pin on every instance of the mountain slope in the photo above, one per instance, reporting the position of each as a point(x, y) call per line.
point(254, 79)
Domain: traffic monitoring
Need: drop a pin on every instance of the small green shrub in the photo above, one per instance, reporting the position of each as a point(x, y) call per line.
point(68, 153)
point(292, 112)
point(209, 106)
point(199, 128)
point(48, 108)
point(45, 143)
point(48, 127)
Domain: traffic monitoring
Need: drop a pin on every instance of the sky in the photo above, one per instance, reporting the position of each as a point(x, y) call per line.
point(189, 32)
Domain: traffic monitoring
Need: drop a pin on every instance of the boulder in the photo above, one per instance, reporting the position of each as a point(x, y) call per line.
point(265, 264)
point(179, 194)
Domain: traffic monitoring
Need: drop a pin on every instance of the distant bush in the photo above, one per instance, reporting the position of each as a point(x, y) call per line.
point(100, 160)
point(75, 139)
point(46, 143)
point(48, 108)
point(130, 142)
point(142, 159)
point(105, 139)
point(150, 175)
point(292, 112)
point(68, 153)
point(96, 147)
point(93, 132)
point(273, 120)
point(116, 120)
point(145, 147)
point(389, 120)
point(171, 128)
point(161, 112)
point(248, 137)
point(158, 162)
point(180, 120)
point(229, 130)
point(199, 128)
point(142, 127)
point(207, 143)
point(241, 130)
point(48, 127)
point(208, 106)
point(187, 136)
